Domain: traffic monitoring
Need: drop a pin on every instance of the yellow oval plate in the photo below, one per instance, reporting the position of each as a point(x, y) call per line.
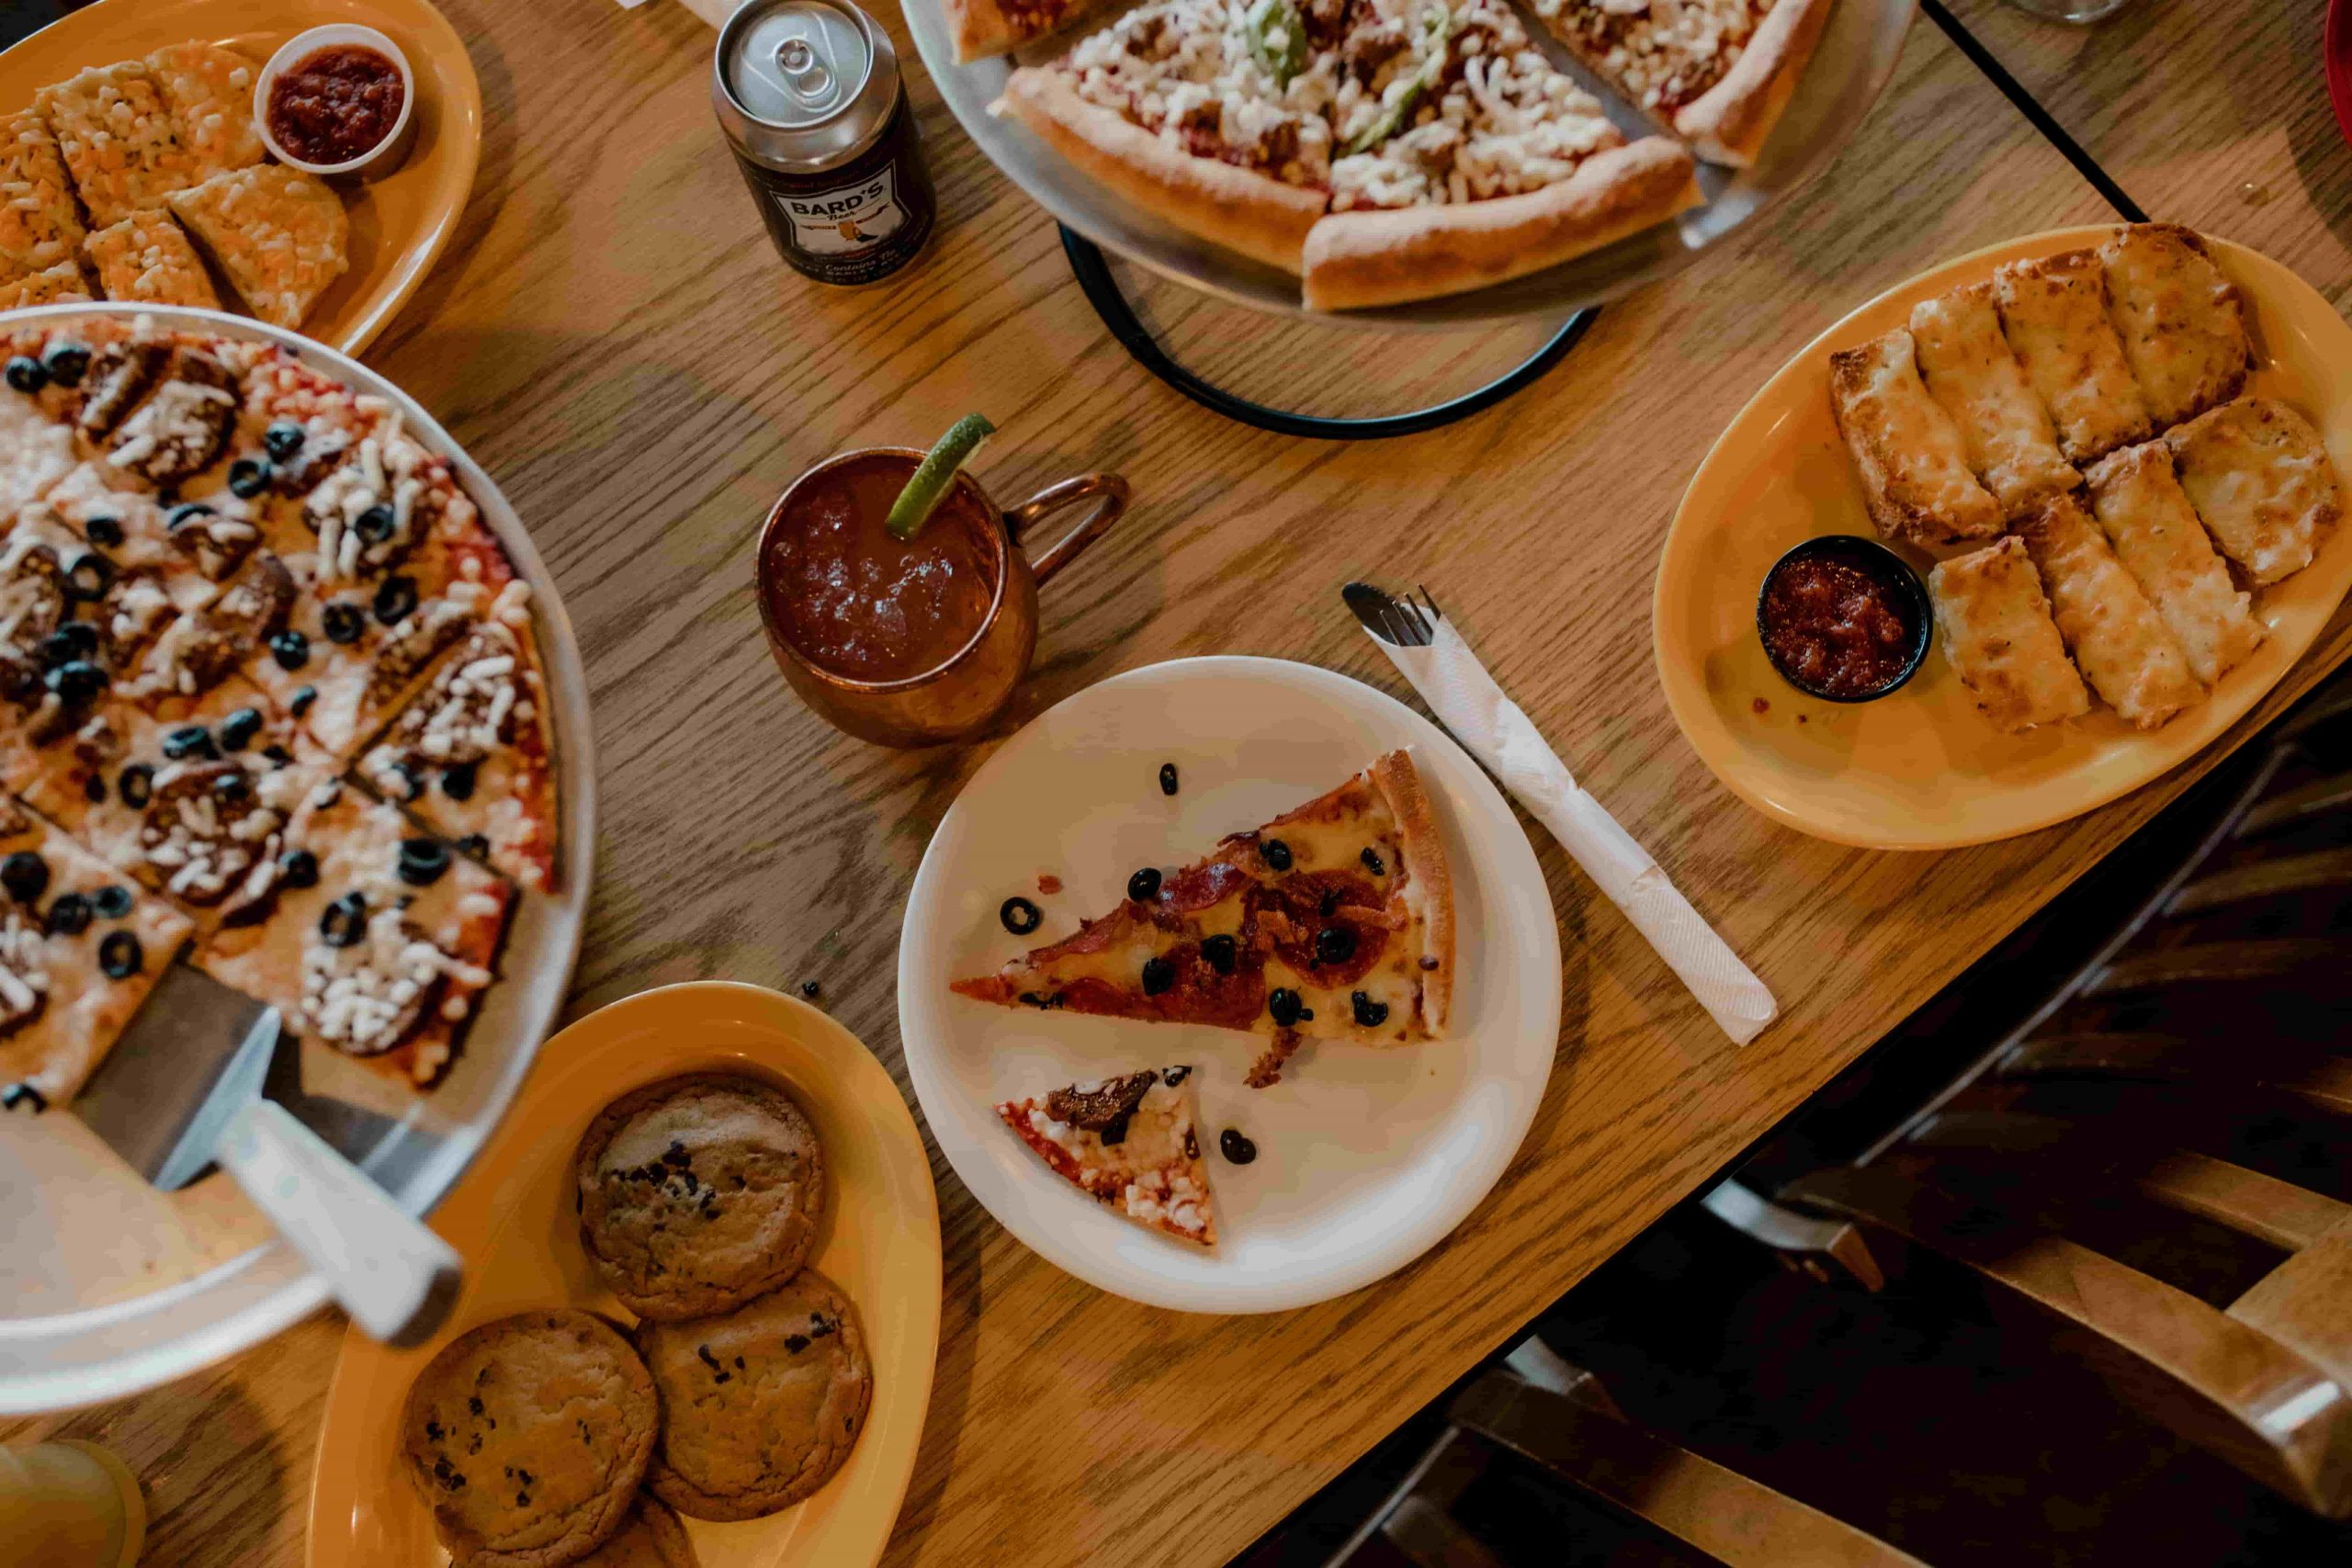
point(400, 223)
point(511, 1219)
point(1921, 768)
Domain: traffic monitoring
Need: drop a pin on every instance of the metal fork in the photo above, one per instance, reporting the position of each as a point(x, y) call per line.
point(1403, 622)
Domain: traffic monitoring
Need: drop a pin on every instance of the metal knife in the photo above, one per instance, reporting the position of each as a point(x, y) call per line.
point(175, 1101)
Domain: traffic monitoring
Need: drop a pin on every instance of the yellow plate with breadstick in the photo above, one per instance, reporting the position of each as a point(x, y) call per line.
point(1939, 763)
point(397, 225)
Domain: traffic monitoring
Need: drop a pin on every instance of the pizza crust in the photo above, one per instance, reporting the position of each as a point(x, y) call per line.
point(1357, 259)
point(1238, 208)
point(985, 28)
point(1400, 784)
point(1730, 121)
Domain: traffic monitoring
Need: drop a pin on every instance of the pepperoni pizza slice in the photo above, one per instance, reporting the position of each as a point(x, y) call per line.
point(1333, 921)
point(1129, 1141)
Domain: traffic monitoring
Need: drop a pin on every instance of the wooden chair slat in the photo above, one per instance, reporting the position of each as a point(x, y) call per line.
point(1429, 1537)
point(2303, 1304)
point(1720, 1512)
point(2285, 961)
point(2092, 1052)
point(2300, 803)
point(2264, 879)
point(2278, 1212)
point(2218, 1379)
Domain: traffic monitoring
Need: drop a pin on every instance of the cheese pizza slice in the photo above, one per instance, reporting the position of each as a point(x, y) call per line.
point(1129, 1141)
point(1465, 159)
point(1715, 72)
point(1332, 921)
point(1197, 115)
point(1385, 150)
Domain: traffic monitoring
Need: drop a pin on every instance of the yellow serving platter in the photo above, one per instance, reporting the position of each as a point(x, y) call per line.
point(400, 223)
point(511, 1219)
point(1920, 769)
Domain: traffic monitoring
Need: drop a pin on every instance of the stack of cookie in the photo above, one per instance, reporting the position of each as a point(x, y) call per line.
point(700, 1202)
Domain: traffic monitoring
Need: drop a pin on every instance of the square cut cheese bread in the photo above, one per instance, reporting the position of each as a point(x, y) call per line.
point(1912, 459)
point(2000, 639)
point(2053, 312)
point(1969, 370)
point(2146, 516)
point(2260, 480)
point(2117, 639)
point(2182, 323)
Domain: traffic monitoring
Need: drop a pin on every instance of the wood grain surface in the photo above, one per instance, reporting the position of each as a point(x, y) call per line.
point(612, 336)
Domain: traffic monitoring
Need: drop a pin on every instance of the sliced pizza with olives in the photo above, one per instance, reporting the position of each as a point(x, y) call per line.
point(224, 574)
point(379, 941)
point(197, 805)
point(80, 948)
point(1384, 150)
point(1332, 921)
point(1131, 1143)
point(470, 756)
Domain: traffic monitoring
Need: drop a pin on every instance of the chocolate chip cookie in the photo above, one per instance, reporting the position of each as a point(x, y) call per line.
point(528, 1436)
point(652, 1537)
point(698, 1193)
point(760, 1406)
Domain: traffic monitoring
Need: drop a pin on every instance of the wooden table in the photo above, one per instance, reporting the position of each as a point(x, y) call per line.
point(612, 336)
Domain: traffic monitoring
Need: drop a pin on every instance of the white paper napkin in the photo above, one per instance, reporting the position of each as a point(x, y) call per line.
point(1460, 692)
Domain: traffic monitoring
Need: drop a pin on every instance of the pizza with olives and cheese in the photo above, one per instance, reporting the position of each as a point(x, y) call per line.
point(1385, 151)
point(80, 949)
point(1333, 921)
point(1131, 1143)
point(380, 940)
point(267, 680)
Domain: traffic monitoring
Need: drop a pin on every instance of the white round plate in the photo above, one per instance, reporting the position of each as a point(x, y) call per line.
point(111, 1287)
point(1366, 1158)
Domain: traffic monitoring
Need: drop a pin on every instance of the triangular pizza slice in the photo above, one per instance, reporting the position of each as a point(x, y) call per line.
point(1129, 1141)
point(1333, 921)
point(1715, 72)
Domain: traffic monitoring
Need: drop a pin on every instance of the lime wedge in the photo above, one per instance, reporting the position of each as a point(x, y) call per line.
point(935, 473)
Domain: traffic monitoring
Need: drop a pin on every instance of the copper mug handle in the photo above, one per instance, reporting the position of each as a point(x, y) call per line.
point(1109, 493)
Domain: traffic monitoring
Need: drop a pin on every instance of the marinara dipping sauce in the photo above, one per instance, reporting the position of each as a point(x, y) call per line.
point(335, 103)
point(1843, 618)
point(857, 600)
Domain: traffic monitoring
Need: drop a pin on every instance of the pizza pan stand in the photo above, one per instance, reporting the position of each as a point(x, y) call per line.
point(1101, 290)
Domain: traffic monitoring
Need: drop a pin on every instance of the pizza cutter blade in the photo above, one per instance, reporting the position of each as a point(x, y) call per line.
point(176, 1101)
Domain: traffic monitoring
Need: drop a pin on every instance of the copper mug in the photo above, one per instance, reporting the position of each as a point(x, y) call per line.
point(971, 686)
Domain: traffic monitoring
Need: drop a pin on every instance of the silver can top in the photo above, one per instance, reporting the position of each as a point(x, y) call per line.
point(803, 83)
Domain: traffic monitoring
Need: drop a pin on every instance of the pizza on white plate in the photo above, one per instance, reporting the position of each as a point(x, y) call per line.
point(1129, 1141)
point(1332, 921)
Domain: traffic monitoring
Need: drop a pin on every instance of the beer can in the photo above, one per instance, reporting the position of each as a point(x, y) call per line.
point(809, 94)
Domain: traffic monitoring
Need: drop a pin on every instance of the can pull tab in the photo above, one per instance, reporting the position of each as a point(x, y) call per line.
point(806, 73)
